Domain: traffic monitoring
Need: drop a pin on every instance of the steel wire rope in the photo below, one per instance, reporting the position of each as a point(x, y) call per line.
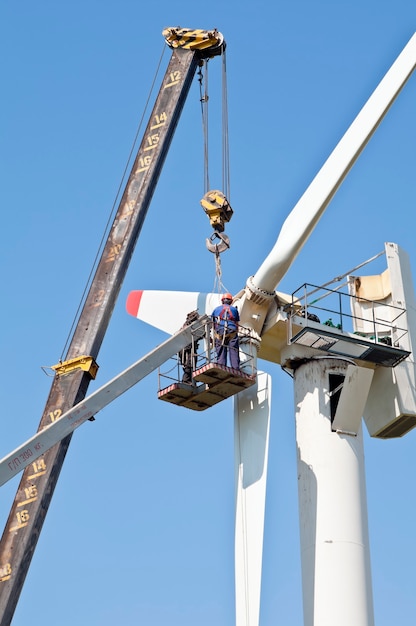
point(218, 284)
point(225, 141)
point(225, 163)
point(203, 98)
point(113, 209)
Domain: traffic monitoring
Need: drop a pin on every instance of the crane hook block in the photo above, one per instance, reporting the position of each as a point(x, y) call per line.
point(218, 209)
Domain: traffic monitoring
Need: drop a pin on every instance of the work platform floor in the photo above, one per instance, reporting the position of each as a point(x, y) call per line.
point(211, 384)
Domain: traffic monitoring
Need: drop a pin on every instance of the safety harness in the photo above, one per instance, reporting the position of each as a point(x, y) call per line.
point(222, 331)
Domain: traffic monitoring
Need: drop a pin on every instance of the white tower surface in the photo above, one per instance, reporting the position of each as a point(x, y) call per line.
point(336, 573)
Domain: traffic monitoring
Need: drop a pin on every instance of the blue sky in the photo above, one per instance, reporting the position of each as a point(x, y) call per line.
point(151, 541)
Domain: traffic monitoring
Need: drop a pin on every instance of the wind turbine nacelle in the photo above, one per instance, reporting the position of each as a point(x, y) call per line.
point(391, 405)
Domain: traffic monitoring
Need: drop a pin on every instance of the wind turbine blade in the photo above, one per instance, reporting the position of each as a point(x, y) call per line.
point(167, 310)
point(44, 439)
point(251, 443)
point(305, 215)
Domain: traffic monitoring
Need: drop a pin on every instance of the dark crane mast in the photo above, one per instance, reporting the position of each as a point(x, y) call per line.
point(35, 490)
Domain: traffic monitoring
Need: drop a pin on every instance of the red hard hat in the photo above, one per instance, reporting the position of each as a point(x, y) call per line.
point(226, 296)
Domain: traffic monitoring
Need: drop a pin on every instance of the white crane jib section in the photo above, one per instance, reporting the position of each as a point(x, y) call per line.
point(39, 443)
point(305, 215)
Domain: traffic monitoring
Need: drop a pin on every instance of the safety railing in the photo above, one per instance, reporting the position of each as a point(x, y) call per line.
point(341, 323)
point(201, 351)
point(337, 309)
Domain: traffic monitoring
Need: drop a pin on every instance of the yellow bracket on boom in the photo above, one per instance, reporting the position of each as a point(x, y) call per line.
point(86, 363)
point(218, 209)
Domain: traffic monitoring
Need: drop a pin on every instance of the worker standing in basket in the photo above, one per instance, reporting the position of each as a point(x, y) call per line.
point(226, 318)
point(188, 355)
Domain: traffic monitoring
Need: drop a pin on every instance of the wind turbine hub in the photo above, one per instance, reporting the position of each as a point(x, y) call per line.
point(257, 295)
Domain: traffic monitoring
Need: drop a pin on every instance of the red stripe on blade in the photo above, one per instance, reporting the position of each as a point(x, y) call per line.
point(133, 302)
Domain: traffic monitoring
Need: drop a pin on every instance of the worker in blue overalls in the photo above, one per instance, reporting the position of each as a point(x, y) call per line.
point(226, 318)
